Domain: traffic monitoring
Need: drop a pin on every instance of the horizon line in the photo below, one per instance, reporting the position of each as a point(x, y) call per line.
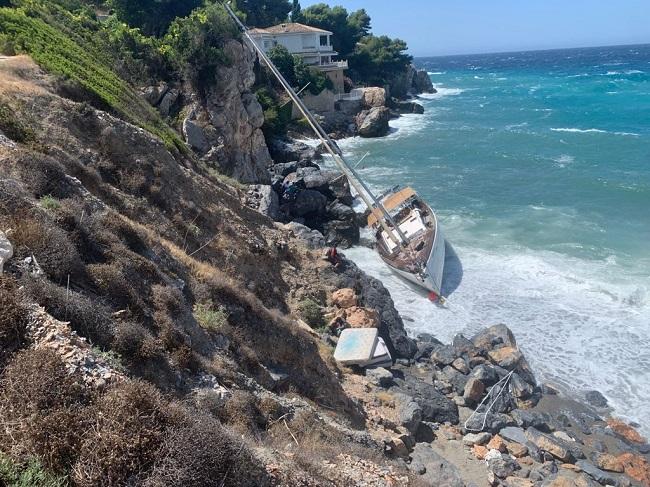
point(530, 50)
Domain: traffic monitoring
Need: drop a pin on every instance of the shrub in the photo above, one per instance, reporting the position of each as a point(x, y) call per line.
point(51, 246)
point(12, 126)
point(65, 43)
point(90, 319)
point(241, 411)
point(42, 409)
point(204, 453)
point(134, 342)
point(209, 318)
point(30, 475)
point(311, 312)
point(49, 202)
point(128, 429)
point(195, 43)
point(13, 319)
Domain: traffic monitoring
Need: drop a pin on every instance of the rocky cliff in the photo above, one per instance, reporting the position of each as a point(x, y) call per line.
point(223, 123)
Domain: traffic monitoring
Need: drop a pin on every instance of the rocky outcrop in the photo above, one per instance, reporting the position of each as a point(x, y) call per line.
point(6, 250)
point(373, 97)
point(422, 82)
point(223, 126)
point(373, 122)
point(373, 295)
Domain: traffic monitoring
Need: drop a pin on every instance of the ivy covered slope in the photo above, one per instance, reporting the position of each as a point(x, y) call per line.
point(75, 46)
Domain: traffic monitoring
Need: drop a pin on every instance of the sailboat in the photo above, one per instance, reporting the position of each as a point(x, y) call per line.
point(408, 236)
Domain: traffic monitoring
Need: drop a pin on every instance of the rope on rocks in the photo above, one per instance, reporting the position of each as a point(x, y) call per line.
point(502, 385)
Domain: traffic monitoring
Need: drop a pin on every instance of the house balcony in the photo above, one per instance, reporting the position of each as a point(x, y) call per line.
point(333, 66)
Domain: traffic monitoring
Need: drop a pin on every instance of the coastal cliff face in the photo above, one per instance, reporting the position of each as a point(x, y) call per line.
point(223, 124)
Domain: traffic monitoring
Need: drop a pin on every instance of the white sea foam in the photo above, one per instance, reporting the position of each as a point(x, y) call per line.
point(441, 92)
point(634, 71)
point(432, 73)
point(564, 160)
point(582, 324)
point(593, 131)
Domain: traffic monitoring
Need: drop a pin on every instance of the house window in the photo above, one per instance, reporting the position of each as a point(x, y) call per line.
point(267, 44)
point(308, 42)
point(323, 41)
point(325, 60)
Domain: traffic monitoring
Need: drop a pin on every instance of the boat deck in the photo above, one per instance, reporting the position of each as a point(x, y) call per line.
point(421, 234)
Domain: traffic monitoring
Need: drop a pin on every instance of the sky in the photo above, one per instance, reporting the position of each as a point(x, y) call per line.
point(434, 27)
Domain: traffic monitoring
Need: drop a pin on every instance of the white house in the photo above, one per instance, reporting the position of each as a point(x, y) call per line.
point(313, 45)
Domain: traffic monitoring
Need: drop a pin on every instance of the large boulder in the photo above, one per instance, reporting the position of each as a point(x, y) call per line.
point(489, 338)
point(284, 150)
point(344, 298)
point(312, 238)
point(309, 202)
point(408, 107)
point(358, 317)
point(262, 198)
point(435, 406)
point(422, 82)
point(373, 96)
point(374, 122)
point(6, 250)
point(434, 469)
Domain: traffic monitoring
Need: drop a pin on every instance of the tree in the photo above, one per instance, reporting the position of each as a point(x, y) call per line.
point(284, 61)
point(377, 60)
point(347, 29)
point(195, 43)
point(296, 12)
point(264, 13)
point(296, 72)
point(152, 16)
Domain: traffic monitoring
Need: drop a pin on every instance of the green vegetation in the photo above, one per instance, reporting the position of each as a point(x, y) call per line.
point(66, 43)
point(30, 475)
point(276, 116)
point(153, 17)
point(312, 313)
point(209, 318)
point(373, 60)
point(297, 73)
point(195, 43)
point(348, 29)
point(263, 13)
point(49, 202)
point(377, 60)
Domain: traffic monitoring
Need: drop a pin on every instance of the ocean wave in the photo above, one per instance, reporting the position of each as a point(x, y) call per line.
point(577, 329)
point(634, 71)
point(441, 92)
point(593, 131)
point(564, 160)
point(434, 73)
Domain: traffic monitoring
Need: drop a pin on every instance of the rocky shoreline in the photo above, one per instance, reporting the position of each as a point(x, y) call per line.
point(425, 410)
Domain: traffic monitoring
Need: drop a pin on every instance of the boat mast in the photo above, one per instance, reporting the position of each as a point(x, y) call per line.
point(337, 155)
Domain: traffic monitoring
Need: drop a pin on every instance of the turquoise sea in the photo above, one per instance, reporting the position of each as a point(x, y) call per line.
point(538, 164)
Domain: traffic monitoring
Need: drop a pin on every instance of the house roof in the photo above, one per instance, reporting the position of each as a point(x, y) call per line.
point(293, 28)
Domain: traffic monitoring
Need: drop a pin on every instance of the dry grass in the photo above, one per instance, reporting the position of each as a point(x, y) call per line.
point(204, 453)
point(127, 430)
point(42, 410)
point(17, 75)
point(13, 319)
point(89, 318)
